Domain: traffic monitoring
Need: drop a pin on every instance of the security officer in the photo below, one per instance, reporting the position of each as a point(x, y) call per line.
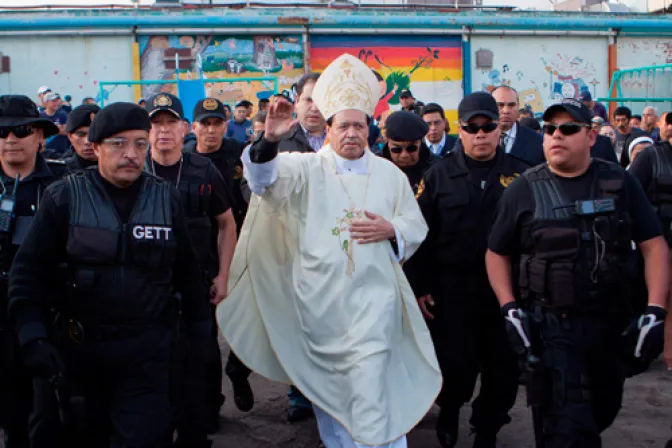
point(653, 169)
point(405, 146)
point(209, 127)
point(22, 136)
point(77, 128)
point(563, 236)
point(205, 200)
point(93, 292)
point(458, 197)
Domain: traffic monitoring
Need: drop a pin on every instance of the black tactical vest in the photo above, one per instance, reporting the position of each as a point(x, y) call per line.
point(660, 192)
point(195, 195)
point(577, 263)
point(121, 272)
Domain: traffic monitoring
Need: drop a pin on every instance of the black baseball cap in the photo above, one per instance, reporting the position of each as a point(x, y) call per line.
point(406, 94)
point(209, 108)
point(575, 108)
point(116, 118)
point(475, 104)
point(165, 102)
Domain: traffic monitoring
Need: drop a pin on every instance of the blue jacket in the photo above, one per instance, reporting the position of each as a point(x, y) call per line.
point(239, 131)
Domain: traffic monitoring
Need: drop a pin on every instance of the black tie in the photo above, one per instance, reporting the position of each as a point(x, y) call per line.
point(503, 140)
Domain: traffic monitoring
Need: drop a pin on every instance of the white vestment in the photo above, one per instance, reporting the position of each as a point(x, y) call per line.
point(338, 319)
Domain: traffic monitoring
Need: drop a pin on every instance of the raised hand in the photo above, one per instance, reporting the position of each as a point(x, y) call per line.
point(279, 120)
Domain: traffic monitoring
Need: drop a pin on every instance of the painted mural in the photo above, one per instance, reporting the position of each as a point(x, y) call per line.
point(551, 71)
point(278, 60)
point(643, 52)
point(431, 67)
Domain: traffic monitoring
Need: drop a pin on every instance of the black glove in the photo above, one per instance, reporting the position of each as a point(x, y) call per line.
point(41, 359)
point(513, 321)
point(651, 334)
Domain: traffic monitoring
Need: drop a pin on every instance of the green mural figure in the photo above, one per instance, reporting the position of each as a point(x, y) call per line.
point(396, 80)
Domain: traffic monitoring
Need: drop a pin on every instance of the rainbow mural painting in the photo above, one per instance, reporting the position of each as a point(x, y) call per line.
point(431, 67)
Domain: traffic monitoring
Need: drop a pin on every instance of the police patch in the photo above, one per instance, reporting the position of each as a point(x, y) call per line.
point(421, 189)
point(210, 104)
point(163, 101)
point(507, 180)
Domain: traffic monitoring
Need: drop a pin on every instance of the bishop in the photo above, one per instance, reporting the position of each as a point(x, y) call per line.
point(317, 295)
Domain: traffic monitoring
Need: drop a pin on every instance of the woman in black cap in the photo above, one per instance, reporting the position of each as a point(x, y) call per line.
point(405, 145)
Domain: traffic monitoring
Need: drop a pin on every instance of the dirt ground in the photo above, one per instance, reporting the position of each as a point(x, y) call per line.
point(644, 420)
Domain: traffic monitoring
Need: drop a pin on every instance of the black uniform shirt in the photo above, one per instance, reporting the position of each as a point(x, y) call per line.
point(34, 281)
point(510, 232)
point(642, 167)
point(479, 170)
point(458, 199)
point(219, 199)
point(123, 198)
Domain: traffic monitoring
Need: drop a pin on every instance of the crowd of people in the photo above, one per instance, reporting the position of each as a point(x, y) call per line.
point(378, 267)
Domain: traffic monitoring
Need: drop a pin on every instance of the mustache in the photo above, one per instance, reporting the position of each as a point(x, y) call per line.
point(129, 164)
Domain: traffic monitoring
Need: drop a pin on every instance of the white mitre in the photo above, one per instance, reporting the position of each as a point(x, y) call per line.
point(346, 84)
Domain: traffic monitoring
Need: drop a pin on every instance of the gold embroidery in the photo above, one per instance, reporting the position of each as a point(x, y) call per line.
point(341, 229)
point(238, 172)
point(346, 84)
point(421, 188)
point(506, 180)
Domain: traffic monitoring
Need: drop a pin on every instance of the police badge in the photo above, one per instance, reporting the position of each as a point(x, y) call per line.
point(163, 101)
point(210, 104)
point(421, 188)
point(507, 180)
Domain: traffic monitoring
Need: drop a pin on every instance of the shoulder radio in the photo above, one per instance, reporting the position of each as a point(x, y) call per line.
point(7, 205)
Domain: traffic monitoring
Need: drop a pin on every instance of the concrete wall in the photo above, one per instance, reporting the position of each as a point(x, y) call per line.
point(543, 69)
point(69, 65)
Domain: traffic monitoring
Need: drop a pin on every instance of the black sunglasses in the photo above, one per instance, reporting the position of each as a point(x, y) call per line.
point(473, 128)
point(399, 149)
point(565, 128)
point(18, 131)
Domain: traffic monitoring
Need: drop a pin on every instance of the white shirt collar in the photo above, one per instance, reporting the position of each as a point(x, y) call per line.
point(439, 147)
point(511, 133)
point(345, 166)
